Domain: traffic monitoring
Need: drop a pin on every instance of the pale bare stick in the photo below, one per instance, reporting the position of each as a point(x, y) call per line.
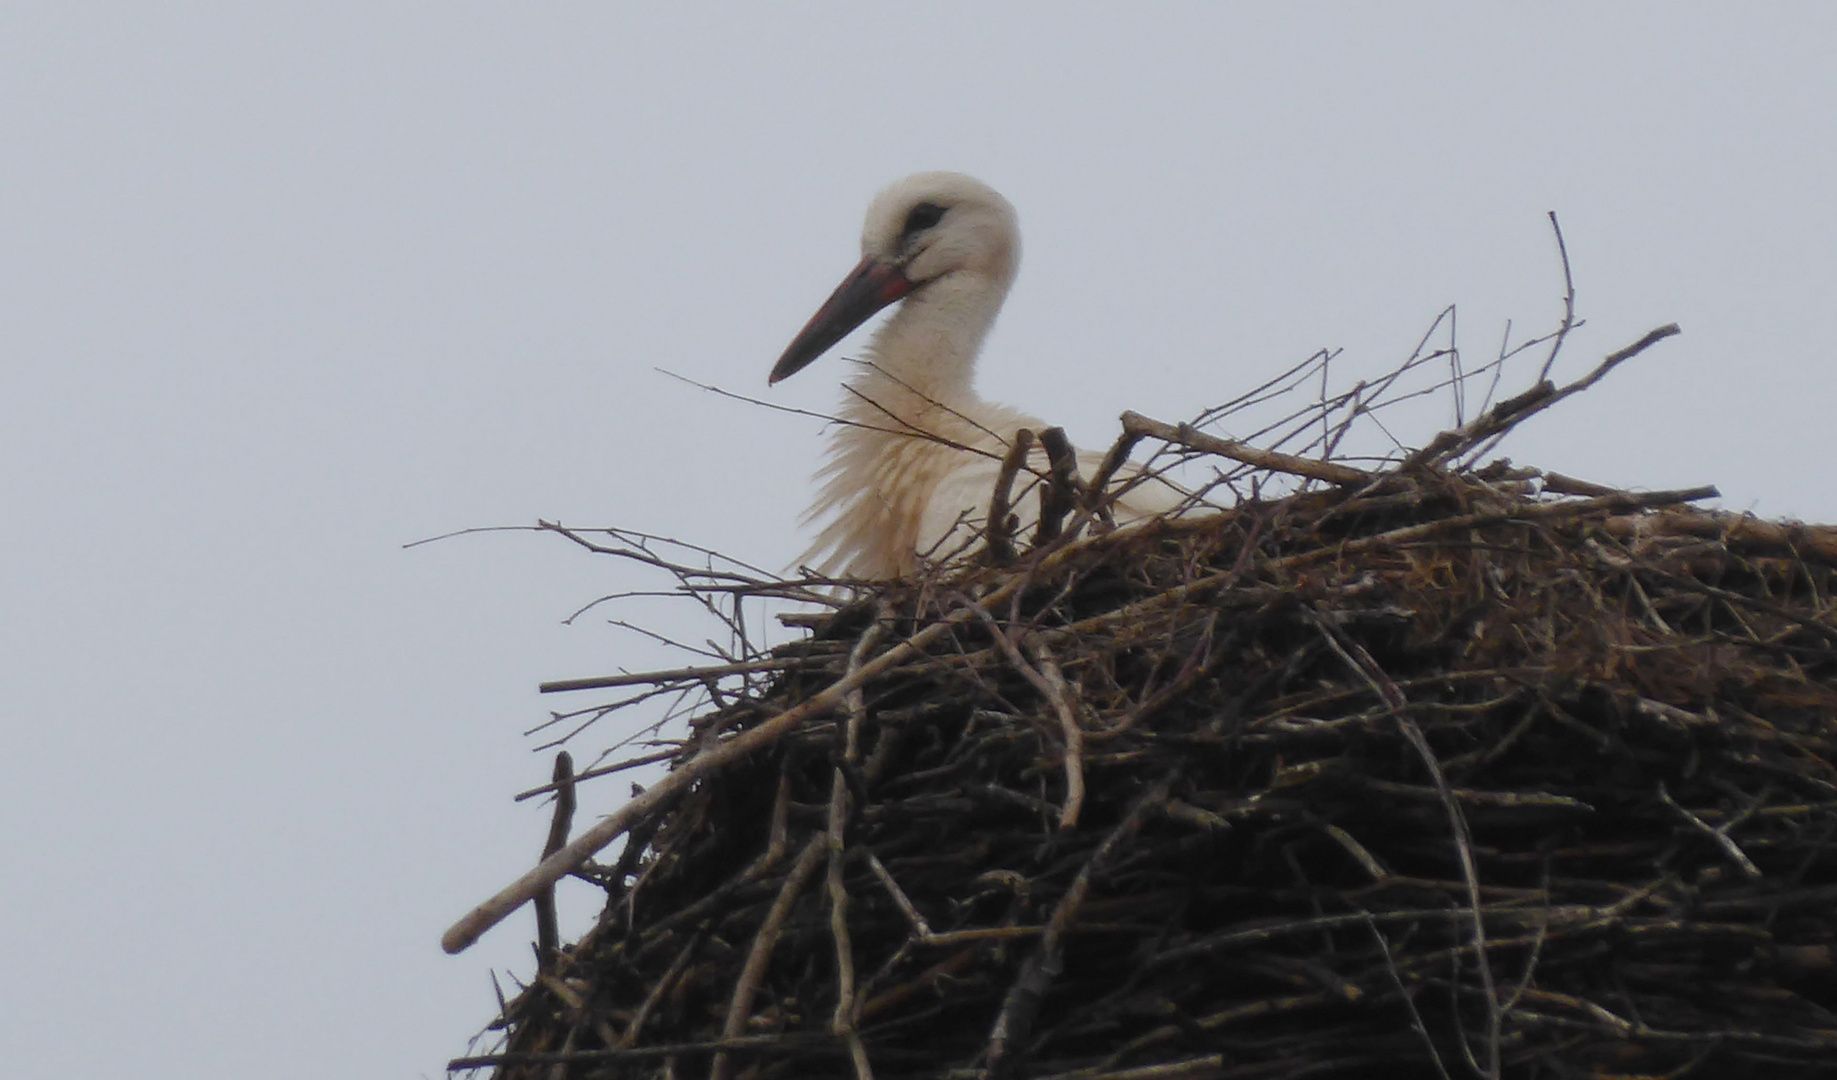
point(920, 928)
point(688, 674)
point(1193, 439)
point(1074, 739)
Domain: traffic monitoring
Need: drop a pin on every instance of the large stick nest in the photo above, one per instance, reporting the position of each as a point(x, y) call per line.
point(1439, 771)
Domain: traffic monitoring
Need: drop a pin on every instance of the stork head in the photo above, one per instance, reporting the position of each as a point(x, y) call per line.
point(922, 229)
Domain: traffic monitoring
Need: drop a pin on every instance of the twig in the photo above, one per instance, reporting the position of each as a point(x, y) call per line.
point(1096, 494)
point(1409, 999)
point(779, 1043)
point(1062, 492)
point(1000, 526)
point(1052, 688)
point(604, 770)
point(635, 1029)
point(672, 675)
point(1512, 412)
point(1720, 836)
point(1568, 323)
point(842, 1020)
point(548, 934)
point(920, 928)
point(905, 429)
point(1193, 439)
point(1037, 974)
point(1074, 737)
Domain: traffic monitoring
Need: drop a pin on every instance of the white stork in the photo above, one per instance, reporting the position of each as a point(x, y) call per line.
point(911, 468)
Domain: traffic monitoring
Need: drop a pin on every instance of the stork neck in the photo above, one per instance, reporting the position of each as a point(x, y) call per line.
point(926, 353)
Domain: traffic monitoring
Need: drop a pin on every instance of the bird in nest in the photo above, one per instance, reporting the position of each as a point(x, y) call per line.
point(915, 458)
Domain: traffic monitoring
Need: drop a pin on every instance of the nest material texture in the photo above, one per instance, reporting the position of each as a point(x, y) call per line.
point(1443, 775)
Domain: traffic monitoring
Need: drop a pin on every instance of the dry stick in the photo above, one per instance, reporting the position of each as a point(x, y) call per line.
point(1365, 667)
point(636, 552)
point(906, 429)
point(636, 1027)
point(920, 928)
point(1113, 460)
point(927, 399)
point(777, 1043)
point(493, 911)
point(1555, 483)
point(1074, 738)
point(1568, 323)
point(1509, 414)
point(687, 674)
point(1036, 976)
point(1052, 688)
point(548, 933)
point(1192, 438)
point(781, 824)
point(604, 770)
point(1720, 836)
point(741, 1005)
point(1794, 539)
point(1409, 1000)
point(1097, 498)
point(842, 1022)
point(1062, 493)
point(1000, 526)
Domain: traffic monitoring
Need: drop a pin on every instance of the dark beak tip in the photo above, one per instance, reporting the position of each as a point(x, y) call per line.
point(871, 286)
point(787, 366)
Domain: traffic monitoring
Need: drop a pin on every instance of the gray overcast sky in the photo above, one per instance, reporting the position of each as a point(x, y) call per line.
point(283, 286)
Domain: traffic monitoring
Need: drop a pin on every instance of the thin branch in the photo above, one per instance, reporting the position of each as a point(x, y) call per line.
point(548, 933)
point(1508, 414)
point(1568, 323)
point(1189, 436)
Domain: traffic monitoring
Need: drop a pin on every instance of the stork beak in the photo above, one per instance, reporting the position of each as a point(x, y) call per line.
point(869, 287)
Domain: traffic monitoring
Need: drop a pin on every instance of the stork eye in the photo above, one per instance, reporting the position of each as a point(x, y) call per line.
point(922, 217)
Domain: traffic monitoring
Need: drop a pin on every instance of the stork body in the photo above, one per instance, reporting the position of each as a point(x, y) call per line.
point(911, 468)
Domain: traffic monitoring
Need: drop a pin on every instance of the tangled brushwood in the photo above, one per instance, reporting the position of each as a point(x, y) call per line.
point(1434, 769)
